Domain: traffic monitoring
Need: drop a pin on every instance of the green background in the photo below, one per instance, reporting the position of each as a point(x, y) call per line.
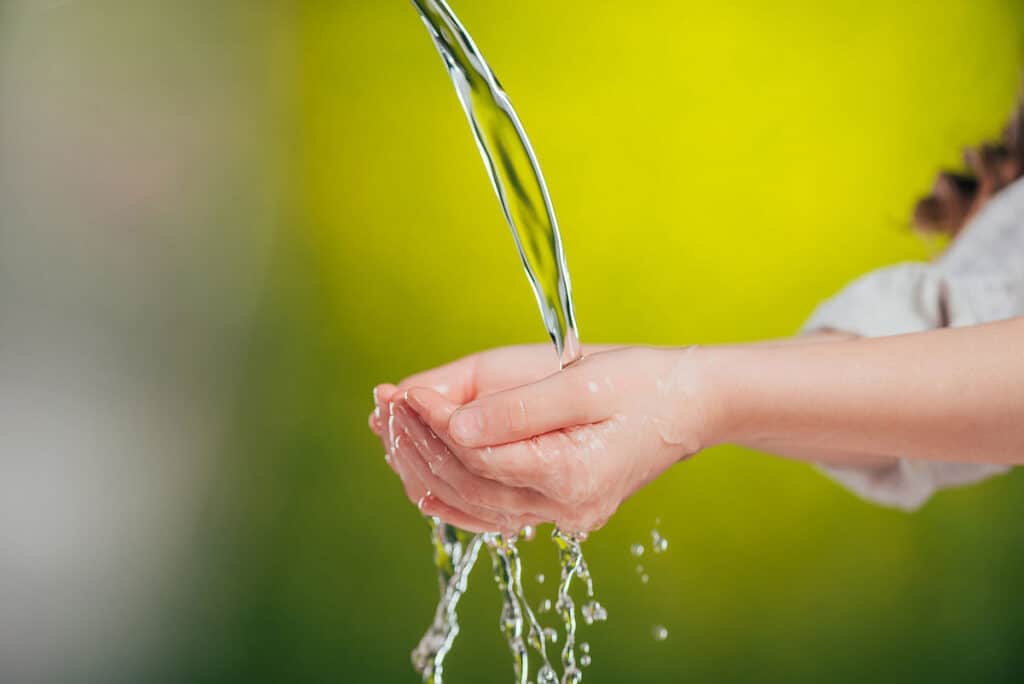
point(718, 169)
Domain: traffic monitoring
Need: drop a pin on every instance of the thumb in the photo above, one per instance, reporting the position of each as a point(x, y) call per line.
point(561, 400)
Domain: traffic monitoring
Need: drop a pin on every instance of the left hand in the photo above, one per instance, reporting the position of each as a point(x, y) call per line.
point(569, 448)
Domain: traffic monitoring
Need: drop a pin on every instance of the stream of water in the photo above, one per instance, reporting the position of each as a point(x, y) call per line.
point(523, 195)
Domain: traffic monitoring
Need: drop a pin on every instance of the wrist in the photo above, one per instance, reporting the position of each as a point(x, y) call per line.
point(701, 399)
point(710, 393)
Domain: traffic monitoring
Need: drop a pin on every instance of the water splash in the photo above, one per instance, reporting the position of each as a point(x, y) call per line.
point(658, 543)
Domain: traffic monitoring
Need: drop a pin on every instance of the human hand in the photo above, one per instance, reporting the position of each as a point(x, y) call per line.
point(459, 382)
point(569, 448)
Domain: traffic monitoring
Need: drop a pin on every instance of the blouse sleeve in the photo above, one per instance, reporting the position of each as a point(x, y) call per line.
point(906, 298)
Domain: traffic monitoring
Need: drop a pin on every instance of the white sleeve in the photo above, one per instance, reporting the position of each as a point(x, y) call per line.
point(901, 299)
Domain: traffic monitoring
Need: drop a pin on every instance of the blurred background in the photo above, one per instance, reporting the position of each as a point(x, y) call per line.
point(222, 223)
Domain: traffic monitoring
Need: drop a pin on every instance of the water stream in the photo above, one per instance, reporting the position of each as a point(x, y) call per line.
point(523, 195)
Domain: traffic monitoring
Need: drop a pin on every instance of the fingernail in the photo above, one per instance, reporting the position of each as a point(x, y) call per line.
point(416, 401)
point(467, 424)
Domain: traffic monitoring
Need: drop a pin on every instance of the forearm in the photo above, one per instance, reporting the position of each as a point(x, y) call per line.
point(953, 394)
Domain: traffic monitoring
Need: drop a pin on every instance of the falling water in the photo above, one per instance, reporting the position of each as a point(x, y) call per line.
point(519, 184)
point(514, 172)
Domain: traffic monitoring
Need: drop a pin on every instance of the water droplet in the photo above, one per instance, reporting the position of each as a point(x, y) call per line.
point(540, 578)
point(637, 550)
point(657, 521)
point(585, 647)
point(639, 569)
point(529, 532)
point(658, 543)
point(584, 660)
point(550, 635)
point(545, 606)
point(659, 633)
point(645, 579)
point(593, 612)
point(546, 675)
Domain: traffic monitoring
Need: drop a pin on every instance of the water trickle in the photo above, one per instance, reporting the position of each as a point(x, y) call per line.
point(507, 575)
point(519, 185)
point(455, 553)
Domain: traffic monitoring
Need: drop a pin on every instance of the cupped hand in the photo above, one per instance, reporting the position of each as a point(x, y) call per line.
point(458, 382)
point(568, 448)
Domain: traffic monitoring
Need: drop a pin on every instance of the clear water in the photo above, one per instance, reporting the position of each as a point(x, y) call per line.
point(519, 184)
point(514, 172)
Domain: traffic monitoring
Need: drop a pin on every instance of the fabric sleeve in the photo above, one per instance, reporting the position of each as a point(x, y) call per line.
point(900, 299)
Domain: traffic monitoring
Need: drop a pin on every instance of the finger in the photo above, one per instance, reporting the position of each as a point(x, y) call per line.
point(434, 507)
point(433, 410)
point(533, 470)
point(408, 453)
point(382, 394)
point(415, 490)
point(449, 480)
point(455, 380)
point(418, 494)
point(565, 399)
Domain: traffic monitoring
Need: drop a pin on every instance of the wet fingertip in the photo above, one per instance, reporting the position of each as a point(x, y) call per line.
point(388, 424)
point(400, 409)
point(430, 405)
point(384, 393)
point(417, 400)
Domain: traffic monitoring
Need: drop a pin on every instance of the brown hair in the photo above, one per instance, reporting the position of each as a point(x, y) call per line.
point(957, 196)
